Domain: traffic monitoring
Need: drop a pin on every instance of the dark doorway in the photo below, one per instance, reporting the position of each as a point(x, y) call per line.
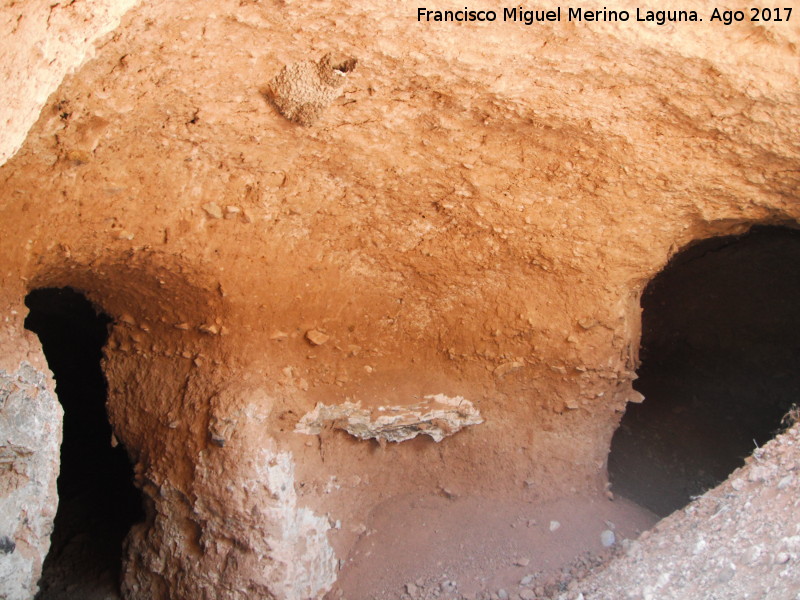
point(98, 503)
point(720, 366)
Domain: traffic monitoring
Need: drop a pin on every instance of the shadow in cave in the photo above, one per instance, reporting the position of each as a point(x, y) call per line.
point(720, 366)
point(98, 503)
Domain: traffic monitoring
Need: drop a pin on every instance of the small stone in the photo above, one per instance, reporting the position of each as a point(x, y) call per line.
point(527, 580)
point(213, 210)
point(278, 335)
point(781, 558)
point(607, 538)
point(737, 484)
point(635, 397)
point(507, 367)
point(502, 594)
point(758, 474)
point(78, 157)
point(752, 555)
point(316, 337)
point(527, 595)
point(209, 329)
point(125, 235)
point(448, 493)
point(785, 482)
point(411, 590)
point(522, 562)
point(700, 546)
point(554, 525)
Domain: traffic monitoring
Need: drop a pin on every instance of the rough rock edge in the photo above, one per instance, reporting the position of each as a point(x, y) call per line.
point(30, 441)
point(725, 545)
point(438, 416)
point(303, 90)
point(39, 50)
point(262, 544)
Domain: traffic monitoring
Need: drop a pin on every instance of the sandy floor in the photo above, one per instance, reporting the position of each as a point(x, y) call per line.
point(480, 544)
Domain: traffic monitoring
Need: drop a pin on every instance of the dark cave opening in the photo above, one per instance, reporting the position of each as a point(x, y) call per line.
point(720, 366)
point(98, 502)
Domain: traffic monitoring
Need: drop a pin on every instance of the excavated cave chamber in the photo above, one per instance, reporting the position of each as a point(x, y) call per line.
point(97, 500)
point(720, 366)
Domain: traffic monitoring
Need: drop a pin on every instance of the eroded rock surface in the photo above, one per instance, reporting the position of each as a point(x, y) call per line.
point(42, 41)
point(476, 210)
point(739, 540)
point(302, 90)
point(30, 438)
point(437, 416)
point(251, 540)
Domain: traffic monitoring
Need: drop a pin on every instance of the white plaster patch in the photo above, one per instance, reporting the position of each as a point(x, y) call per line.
point(308, 561)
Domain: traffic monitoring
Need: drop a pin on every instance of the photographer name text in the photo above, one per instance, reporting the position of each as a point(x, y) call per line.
point(520, 14)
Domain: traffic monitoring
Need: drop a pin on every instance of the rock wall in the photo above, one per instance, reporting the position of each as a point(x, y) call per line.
point(43, 41)
point(30, 438)
point(475, 214)
point(726, 545)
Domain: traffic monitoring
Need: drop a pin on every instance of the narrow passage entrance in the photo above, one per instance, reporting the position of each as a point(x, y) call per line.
point(98, 503)
point(720, 366)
